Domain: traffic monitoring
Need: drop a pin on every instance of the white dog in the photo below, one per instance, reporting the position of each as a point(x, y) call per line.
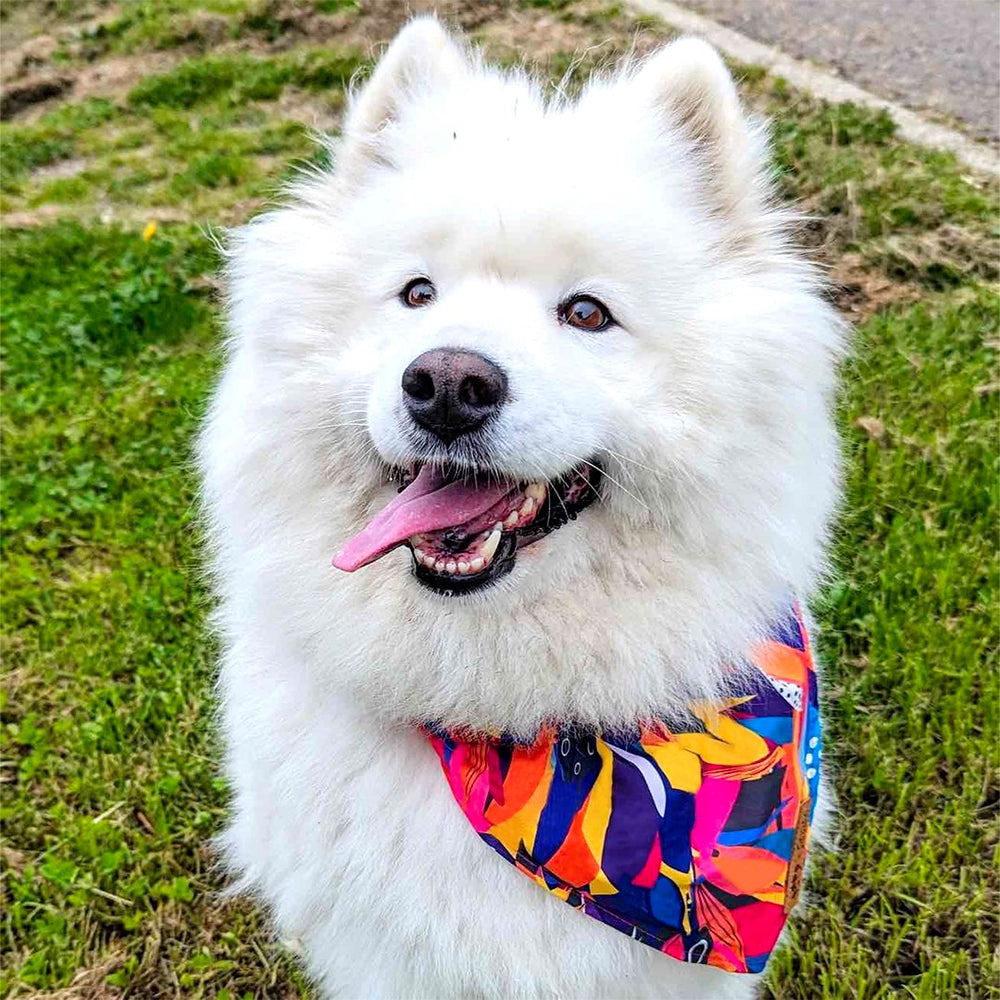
point(535, 314)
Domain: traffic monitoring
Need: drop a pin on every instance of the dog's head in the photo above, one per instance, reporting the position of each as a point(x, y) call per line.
point(571, 331)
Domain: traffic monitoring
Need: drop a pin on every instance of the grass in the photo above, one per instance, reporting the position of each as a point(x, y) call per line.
point(110, 790)
point(241, 79)
point(176, 137)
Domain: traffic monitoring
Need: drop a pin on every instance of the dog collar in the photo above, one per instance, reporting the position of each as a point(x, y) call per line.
point(692, 840)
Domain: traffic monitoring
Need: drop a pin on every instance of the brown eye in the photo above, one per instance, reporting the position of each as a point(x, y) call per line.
point(585, 313)
point(419, 292)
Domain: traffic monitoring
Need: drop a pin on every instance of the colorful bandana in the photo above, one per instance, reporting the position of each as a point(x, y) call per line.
point(690, 840)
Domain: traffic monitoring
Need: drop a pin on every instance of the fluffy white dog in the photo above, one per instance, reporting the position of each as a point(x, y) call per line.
point(536, 314)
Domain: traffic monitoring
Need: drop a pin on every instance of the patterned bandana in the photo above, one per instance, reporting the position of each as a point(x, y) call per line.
point(692, 841)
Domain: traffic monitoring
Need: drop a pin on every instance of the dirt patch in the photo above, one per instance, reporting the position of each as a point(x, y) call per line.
point(29, 219)
point(114, 78)
point(59, 170)
point(22, 59)
point(283, 24)
point(34, 29)
point(538, 36)
point(107, 214)
point(108, 78)
point(859, 292)
point(18, 96)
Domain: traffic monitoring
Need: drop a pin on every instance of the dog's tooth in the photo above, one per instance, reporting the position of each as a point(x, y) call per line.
point(430, 562)
point(418, 554)
point(497, 527)
point(451, 566)
point(440, 566)
point(463, 567)
point(536, 491)
point(477, 564)
point(527, 508)
point(490, 548)
point(511, 519)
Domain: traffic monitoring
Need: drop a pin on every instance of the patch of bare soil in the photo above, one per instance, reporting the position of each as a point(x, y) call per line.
point(22, 59)
point(859, 292)
point(35, 217)
point(375, 22)
point(114, 78)
point(108, 214)
point(28, 98)
point(31, 30)
point(537, 36)
point(59, 170)
point(33, 90)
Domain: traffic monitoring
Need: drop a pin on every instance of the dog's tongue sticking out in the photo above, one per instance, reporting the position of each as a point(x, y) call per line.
point(429, 503)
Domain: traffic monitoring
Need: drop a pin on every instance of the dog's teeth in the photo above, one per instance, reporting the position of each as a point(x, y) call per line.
point(440, 566)
point(536, 491)
point(451, 567)
point(463, 567)
point(511, 519)
point(418, 554)
point(477, 564)
point(490, 548)
point(497, 527)
point(527, 508)
point(430, 562)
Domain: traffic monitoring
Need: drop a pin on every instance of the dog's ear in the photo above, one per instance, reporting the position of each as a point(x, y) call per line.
point(688, 83)
point(422, 57)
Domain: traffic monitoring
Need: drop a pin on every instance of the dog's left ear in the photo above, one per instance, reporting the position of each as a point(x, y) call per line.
point(688, 83)
point(422, 57)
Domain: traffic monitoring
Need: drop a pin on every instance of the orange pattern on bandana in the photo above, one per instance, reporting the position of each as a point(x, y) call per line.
point(692, 842)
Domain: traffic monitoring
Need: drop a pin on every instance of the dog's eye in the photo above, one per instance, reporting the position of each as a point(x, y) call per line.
point(585, 313)
point(419, 292)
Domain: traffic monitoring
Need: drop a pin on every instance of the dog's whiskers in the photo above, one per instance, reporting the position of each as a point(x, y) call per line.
point(571, 458)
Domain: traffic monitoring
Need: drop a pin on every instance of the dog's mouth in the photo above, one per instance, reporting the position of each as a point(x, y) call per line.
point(464, 528)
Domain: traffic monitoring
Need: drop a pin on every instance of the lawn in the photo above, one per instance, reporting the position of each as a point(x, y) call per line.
point(166, 118)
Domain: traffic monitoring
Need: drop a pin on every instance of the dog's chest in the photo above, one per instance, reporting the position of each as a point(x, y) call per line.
point(356, 841)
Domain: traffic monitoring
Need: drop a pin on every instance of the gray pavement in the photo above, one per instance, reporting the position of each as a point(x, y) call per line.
point(937, 55)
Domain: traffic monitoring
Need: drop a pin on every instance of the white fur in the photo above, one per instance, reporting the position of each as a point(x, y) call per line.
point(708, 407)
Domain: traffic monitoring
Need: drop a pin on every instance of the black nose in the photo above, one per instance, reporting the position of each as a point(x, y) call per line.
point(451, 392)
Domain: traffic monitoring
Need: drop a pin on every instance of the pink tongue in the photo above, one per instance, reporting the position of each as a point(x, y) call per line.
point(429, 503)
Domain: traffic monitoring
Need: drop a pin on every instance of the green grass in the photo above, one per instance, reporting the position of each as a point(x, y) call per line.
point(177, 137)
point(908, 630)
point(109, 352)
point(109, 349)
point(243, 78)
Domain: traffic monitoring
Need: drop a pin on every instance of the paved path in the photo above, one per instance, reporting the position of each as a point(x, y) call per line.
point(942, 55)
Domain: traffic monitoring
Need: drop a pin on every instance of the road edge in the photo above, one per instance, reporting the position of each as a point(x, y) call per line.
point(805, 76)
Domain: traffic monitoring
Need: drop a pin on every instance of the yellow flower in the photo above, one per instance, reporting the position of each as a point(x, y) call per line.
point(150, 231)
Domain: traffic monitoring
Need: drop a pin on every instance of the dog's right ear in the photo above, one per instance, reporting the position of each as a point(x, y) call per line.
point(421, 58)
